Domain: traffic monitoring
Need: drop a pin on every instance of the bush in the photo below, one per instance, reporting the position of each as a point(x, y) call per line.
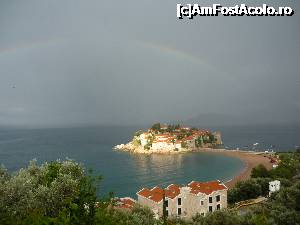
point(244, 190)
point(138, 215)
point(56, 191)
point(260, 171)
point(218, 218)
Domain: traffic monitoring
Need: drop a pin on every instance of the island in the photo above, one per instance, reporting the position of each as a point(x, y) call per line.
point(169, 138)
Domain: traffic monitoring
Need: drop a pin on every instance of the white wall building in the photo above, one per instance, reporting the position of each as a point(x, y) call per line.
point(274, 186)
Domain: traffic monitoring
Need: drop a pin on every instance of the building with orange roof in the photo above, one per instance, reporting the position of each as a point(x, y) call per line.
point(125, 203)
point(179, 139)
point(185, 201)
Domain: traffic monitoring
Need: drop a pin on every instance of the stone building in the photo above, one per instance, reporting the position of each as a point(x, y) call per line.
point(185, 201)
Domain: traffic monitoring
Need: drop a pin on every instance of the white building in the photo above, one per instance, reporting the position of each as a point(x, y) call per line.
point(274, 186)
point(144, 138)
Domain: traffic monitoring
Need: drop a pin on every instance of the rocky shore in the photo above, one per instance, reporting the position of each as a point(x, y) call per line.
point(130, 147)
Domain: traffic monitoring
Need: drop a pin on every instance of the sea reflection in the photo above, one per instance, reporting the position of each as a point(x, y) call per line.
point(158, 169)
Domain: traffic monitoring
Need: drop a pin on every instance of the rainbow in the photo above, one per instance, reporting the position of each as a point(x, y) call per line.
point(29, 45)
point(176, 53)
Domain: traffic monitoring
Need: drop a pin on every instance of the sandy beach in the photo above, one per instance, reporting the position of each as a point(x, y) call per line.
point(251, 160)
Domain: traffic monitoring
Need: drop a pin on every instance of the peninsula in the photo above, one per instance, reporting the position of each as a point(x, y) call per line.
point(171, 139)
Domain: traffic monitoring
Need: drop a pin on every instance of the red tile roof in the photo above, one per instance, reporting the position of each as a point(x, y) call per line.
point(156, 194)
point(125, 203)
point(172, 191)
point(157, 190)
point(189, 138)
point(145, 192)
point(206, 187)
point(157, 197)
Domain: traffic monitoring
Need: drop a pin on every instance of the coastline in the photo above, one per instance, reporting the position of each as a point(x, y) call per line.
point(251, 159)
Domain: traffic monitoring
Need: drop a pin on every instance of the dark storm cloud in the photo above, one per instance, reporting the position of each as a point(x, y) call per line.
point(98, 62)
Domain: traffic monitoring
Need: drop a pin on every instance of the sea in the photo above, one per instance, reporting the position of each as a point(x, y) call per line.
point(124, 173)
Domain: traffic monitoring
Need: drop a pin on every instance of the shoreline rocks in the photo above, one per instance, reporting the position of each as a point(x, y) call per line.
point(129, 147)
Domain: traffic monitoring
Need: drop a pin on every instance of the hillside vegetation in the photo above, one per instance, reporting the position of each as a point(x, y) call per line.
point(63, 192)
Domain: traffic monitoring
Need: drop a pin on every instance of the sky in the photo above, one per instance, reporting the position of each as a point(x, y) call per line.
point(71, 62)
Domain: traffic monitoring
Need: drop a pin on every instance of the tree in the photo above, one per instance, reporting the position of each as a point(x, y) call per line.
point(56, 191)
point(184, 144)
point(138, 133)
point(156, 127)
point(138, 215)
point(136, 141)
point(211, 138)
point(244, 190)
point(199, 141)
point(280, 215)
point(218, 218)
point(283, 170)
point(260, 171)
point(288, 197)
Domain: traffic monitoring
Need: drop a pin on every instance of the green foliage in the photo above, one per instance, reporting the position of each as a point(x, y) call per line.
point(260, 171)
point(256, 216)
point(136, 142)
point(138, 133)
point(288, 197)
point(138, 215)
point(284, 206)
point(249, 189)
point(180, 136)
point(283, 170)
point(177, 126)
point(184, 144)
point(4, 176)
point(264, 185)
point(64, 193)
point(147, 146)
point(156, 127)
point(244, 190)
point(199, 142)
point(282, 209)
point(280, 215)
point(211, 138)
point(287, 168)
point(56, 191)
point(170, 128)
point(218, 218)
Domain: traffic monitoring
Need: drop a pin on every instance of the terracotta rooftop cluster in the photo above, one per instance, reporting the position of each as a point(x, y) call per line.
point(164, 138)
point(125, 203)
point(170, 137)
point(156, 194)
point(206, 187)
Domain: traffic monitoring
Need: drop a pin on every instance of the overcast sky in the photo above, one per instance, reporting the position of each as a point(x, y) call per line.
point(69, 62)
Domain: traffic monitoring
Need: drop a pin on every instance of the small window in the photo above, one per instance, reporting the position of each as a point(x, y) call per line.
point(179, 211)
point(179, 201)
point(210, 199)
point(202, 203)
point(167, 213)
point(166, 203)
point(218, 206)
point(218, 197)
point(202, 214)
point(210, 208)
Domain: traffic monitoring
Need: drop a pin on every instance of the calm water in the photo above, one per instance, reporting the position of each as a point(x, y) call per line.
point(126, 173)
